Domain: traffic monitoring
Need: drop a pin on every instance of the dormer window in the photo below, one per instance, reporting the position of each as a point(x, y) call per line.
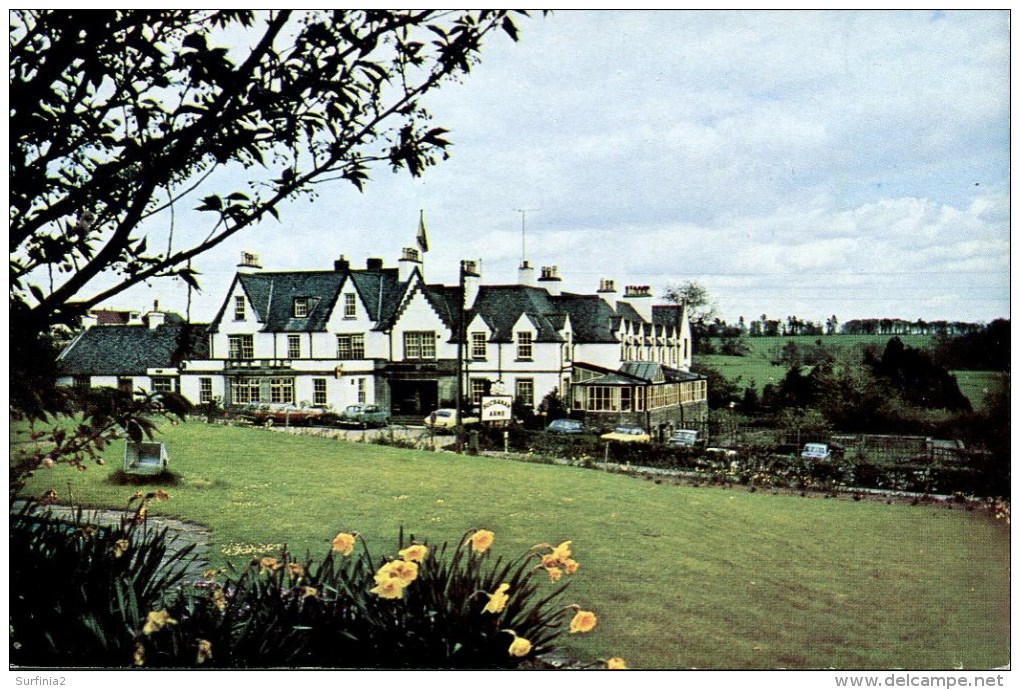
point(300, 307)
point(239, 308)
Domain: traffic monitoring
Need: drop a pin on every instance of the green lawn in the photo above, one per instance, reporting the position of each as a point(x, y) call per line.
point(974, 385)
point(679, 577)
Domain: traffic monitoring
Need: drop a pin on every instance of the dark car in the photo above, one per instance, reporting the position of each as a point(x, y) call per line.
point(565, 426)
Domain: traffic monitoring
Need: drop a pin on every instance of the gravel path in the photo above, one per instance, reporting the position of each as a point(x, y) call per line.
point(181, 533)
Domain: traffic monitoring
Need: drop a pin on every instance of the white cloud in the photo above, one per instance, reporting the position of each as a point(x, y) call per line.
point(808, 162)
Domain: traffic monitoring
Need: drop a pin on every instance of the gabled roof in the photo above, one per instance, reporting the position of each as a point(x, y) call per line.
point(667, 314)
point(503, 305)
point(131, 350)
point(272, 297)
point(381, 292)
point(591, 318)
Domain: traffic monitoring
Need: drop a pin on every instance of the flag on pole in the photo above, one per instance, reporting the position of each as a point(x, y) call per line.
point(423, 240)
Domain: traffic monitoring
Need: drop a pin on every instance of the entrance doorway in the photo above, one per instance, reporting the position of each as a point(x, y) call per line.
point(414, 398)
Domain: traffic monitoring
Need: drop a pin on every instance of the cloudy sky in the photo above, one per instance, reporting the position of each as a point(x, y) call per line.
point(810, 163)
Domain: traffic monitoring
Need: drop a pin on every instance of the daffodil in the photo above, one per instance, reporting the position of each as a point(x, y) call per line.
point(403, 571)
point(562, 552)
point(156, 621)
point(554, 574)
point(139, 656)
point(344, 543)
point(204, 651)
point(497, 600)
point(520, 646)
point(582, 622)
point(481, 540)
point(268, 563)
point(414, 552)
point(307, 592)
point(570, 566)
point(616, 664)
point(218, 599)
point(120, 547)
point(295, 570)
point(390, 588)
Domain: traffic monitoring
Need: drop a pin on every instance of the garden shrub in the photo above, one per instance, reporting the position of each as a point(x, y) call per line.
point(79, 590)
point(418, 607)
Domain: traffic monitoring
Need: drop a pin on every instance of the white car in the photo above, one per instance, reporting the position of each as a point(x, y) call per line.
point(446, 418)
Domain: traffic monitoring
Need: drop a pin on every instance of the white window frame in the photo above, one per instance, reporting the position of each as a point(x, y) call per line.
point(479, 345)
point(419, 344)
point(319, 391)
point(245, 389)
point(293, 346)
point(350, 305)
point(527, 396)
point(240, 308)
point(205, 390)
point(350, 346)
point(241, 347)
point(525, 345)
point(281, 389)
point(300, 306)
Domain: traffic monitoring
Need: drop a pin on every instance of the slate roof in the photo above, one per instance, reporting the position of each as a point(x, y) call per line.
point(381, 292)
point(130, 350)
point(503, 305)
point(272, 297)
point(592, 320)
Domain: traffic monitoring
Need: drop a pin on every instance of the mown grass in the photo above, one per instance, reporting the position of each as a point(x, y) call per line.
point(976, 384)
point(680, 577)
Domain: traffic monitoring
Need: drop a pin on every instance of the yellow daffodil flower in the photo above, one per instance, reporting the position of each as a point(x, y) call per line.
point(582, 622)
point(520, 646)
point(156, 621)
point(295, 570)
point(570, 566)
point(497, 600)
point(218, 600)
point(204, 651)
point(119, 547)
point(616, 664)
point(139, 657)
point(481, 540)
point(268, 563)
point(309, 592)
point(388, 589)
point(554, 574)
point(344, 543)
point(414, 552)
point(403, 571)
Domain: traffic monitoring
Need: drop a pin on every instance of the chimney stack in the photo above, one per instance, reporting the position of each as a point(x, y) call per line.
point(550, 280)
point(342, 264)
point(640, 298)
point(525, 274)
point(472, 281)
point(606, 286)
point(410, 259)
point(374, 264)
point(249, 263)
point(155, 317)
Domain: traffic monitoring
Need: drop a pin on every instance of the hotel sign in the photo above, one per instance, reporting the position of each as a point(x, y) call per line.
point(497, 408)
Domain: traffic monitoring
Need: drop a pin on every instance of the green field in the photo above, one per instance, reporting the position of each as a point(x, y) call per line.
point(679, 576)
point(975, 384)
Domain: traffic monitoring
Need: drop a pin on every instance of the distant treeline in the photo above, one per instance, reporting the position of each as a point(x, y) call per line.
point(954, 344)
point(793, 325)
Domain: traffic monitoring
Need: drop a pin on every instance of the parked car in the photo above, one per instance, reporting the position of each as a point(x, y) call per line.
point(283, 413)
point(627, 434)
point(446, 418)
point(686, 438)
point(565, 426)
point(365, 415)
point(816, 451)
